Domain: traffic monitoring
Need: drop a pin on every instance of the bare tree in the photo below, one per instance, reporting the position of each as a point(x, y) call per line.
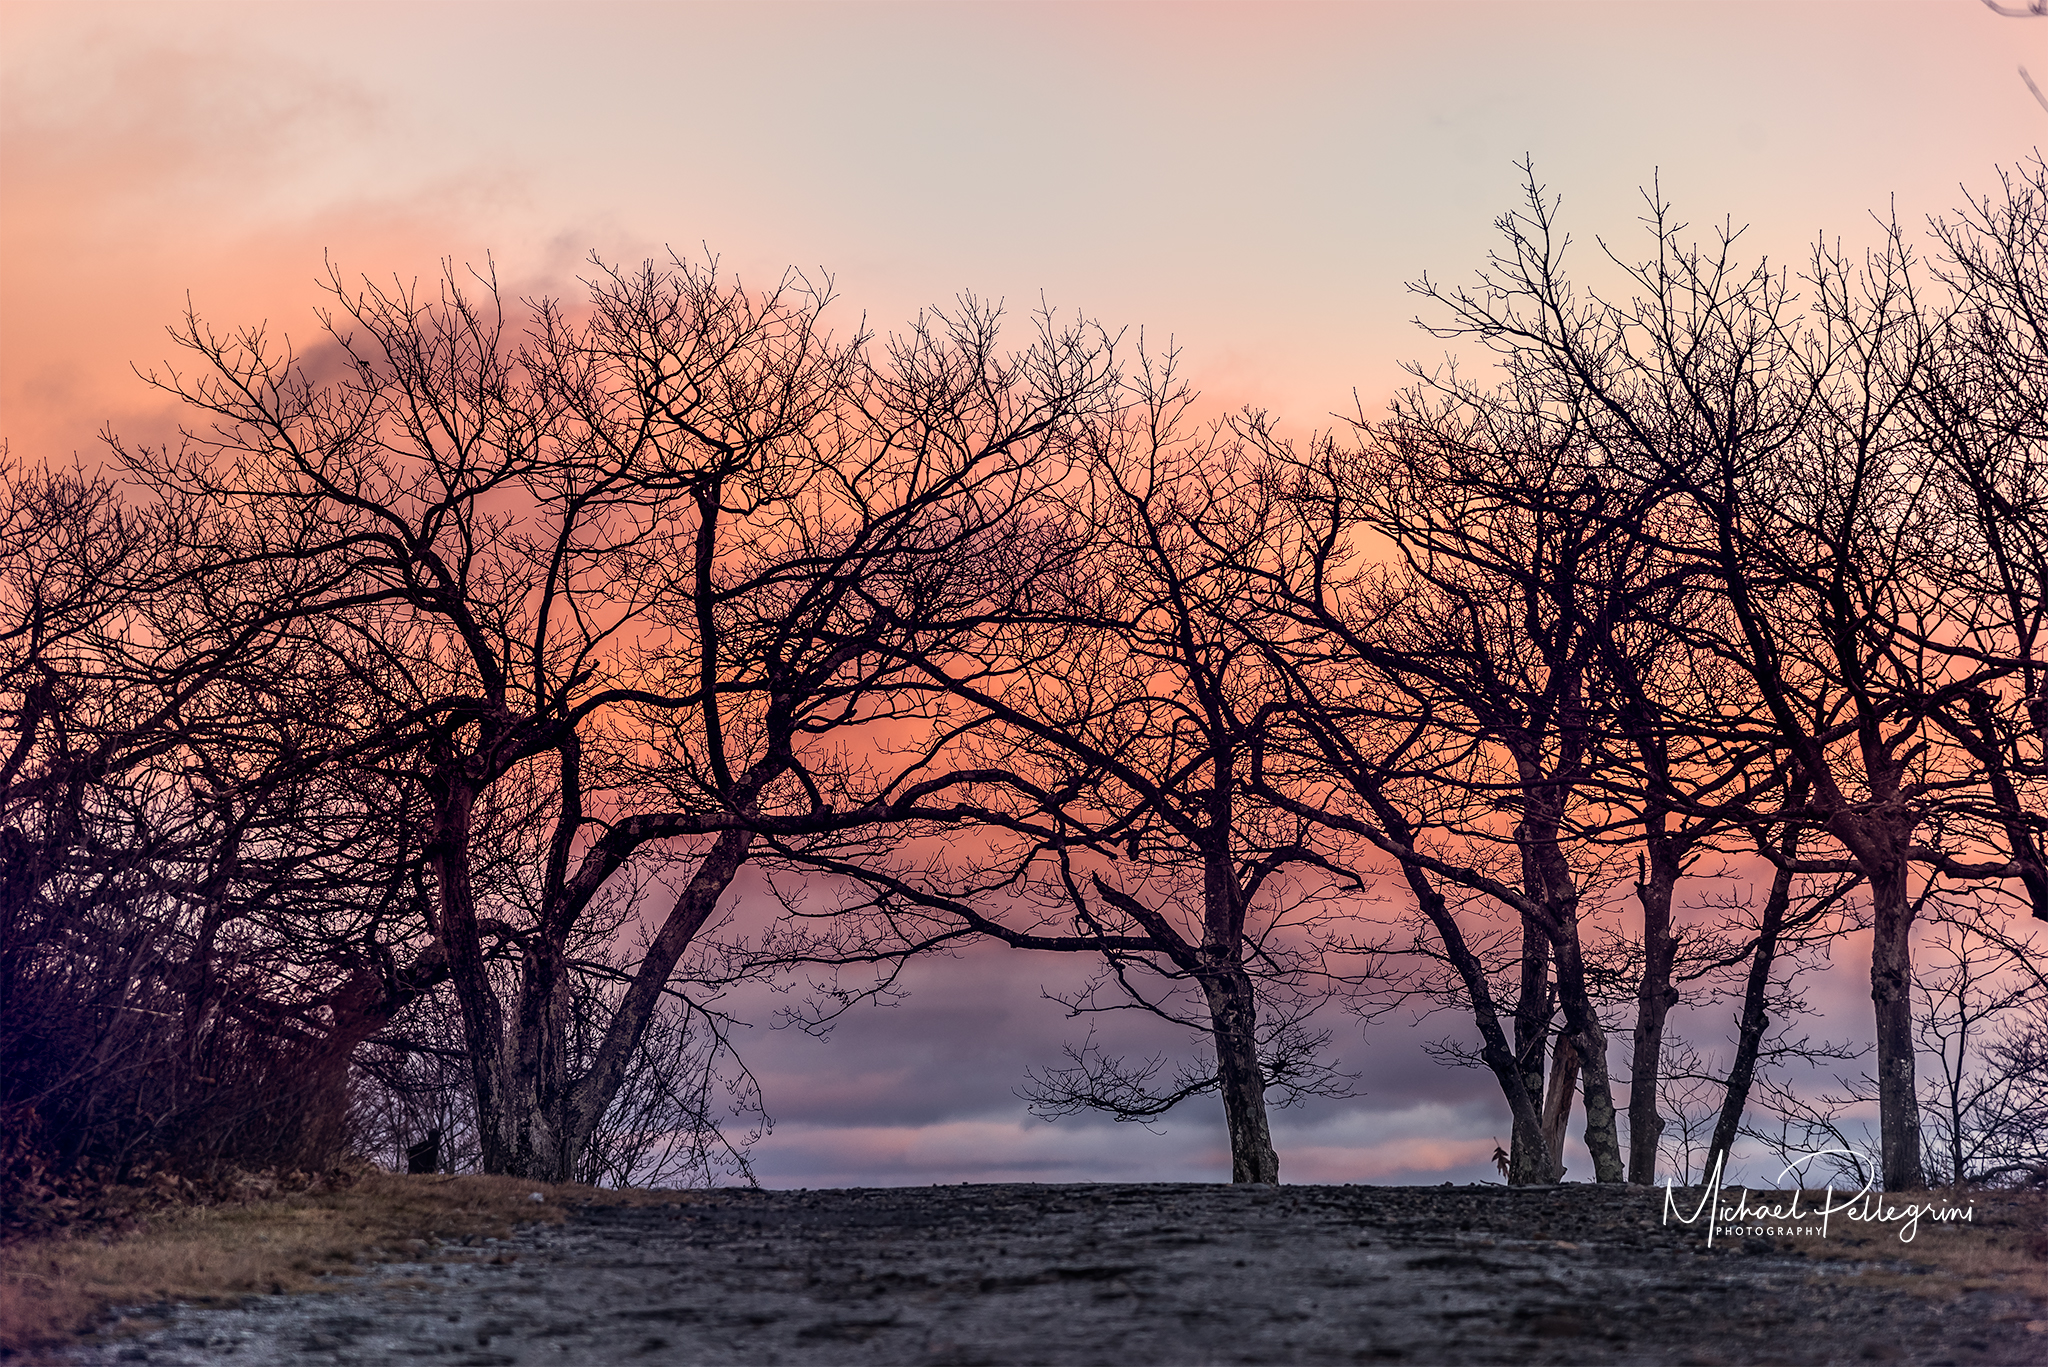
point(161, 836)
point(641, 567)
point(1967, 1004)
point(1116, 700)
point(1791, 446)
point(1482, 657)
point(1979, 405)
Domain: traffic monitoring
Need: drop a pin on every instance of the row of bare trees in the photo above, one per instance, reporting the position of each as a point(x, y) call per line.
point(1726, 564)
point(409, 722)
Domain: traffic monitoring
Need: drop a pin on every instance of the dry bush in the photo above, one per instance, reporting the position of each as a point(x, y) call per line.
point(243, 1101)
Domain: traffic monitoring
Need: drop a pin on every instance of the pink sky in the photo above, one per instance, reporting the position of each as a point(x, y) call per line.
point(1256, 181)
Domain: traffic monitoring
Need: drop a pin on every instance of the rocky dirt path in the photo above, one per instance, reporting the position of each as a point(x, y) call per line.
point(1111, 1275)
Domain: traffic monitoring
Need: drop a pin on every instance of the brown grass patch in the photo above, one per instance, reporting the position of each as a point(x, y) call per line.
point(57, 1287)
point(2003, 1245)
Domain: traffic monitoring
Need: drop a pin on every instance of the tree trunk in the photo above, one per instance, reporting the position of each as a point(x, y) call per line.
point(1655, 997)
point(483, 1027)
point(534, 1104)
point(1891, 990)
point(357, 1010)
point(594, 1093)
point(1535, 1003)
point(1234, 1022)
point(1590, 1039)
point(1755, 1020)
point(1525, 1140)
point(1557, 1105)
point(1548, 879)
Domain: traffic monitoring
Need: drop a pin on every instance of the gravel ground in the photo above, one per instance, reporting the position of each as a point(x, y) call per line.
point(1108, 1274)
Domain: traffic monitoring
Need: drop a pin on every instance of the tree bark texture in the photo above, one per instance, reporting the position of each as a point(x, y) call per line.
point(1233, 1015)
point(1587, 1036)
point(1535, 1002)
point(1891, 991)
point(1557, 1105)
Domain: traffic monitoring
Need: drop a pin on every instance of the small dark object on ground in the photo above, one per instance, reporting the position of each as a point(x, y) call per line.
point(425, 1156)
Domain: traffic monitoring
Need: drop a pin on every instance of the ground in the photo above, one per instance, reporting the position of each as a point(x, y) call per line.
point(1168, 1274)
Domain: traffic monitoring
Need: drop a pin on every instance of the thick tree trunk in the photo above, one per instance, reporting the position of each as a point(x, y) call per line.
point(1655, 997)
point(357, 1010)
point(1528, 1155)
point(1590, 1039)
point(534, 1125)
point(1233, 1016)
point(540, 1115)
point(483, 1025)
point(1535, 1003)
point(1548, 878)
point(1879, 836)
point(1891, 990)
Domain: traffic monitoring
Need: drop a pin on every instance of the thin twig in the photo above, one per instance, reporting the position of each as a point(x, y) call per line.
point(2039, 98)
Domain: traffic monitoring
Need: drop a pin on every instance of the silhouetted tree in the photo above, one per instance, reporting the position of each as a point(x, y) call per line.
point(619, 585)
point(1116, 699)
point(1790, 443)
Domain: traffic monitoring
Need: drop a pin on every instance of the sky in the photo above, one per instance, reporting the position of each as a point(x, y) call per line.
point(1257, 183)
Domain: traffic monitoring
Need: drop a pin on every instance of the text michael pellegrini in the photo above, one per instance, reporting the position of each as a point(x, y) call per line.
point(1781, 1217)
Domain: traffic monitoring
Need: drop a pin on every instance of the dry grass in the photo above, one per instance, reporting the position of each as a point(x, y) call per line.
point(54, 1288)
point(2003, 1246)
